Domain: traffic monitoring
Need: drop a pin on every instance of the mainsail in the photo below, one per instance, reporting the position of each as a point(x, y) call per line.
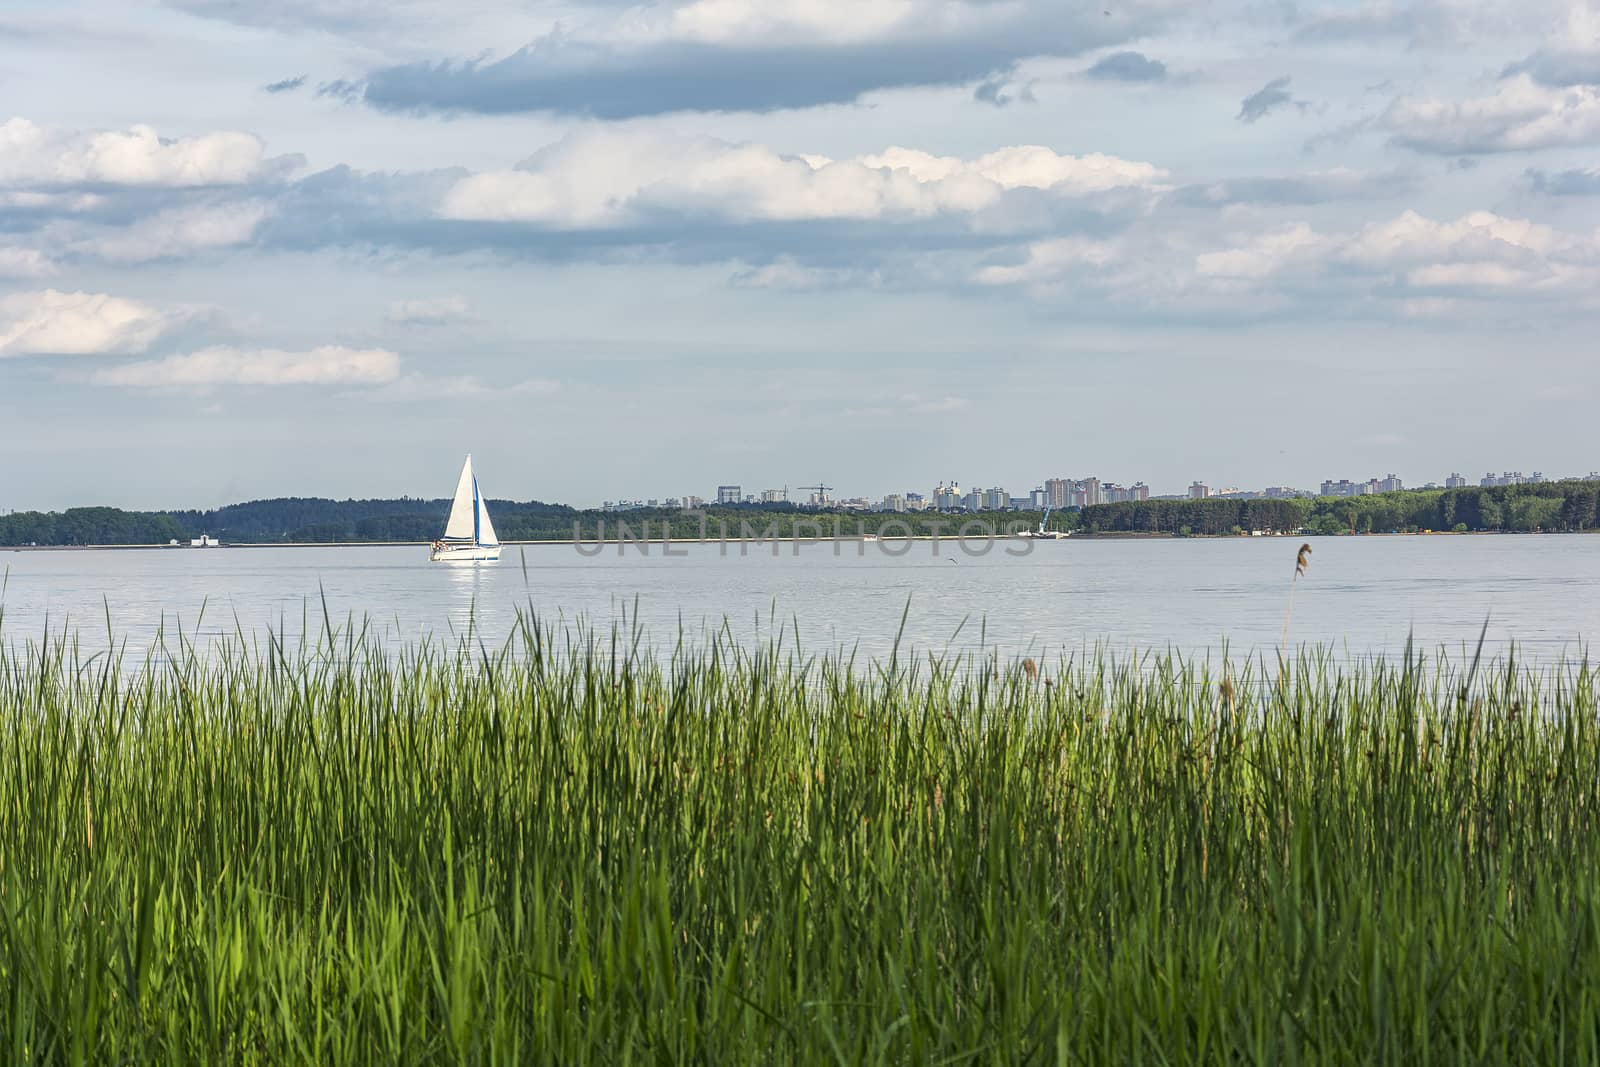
point(464, 511)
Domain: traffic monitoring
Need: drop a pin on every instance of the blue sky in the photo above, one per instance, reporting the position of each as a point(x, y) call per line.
point(641, 250)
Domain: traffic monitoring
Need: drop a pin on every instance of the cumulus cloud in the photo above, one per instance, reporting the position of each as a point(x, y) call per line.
point(1127, 67)
point(1262, 254)
point(611, 178)
point(1411, 237)
point(39, 156)
point(430, 312)
point(182, 231)
point(1519, 115)
point(1480, 250)
point(1267, 99)
point(18, 262)
point(51, 322)
point(1047, 260)
point(1570, 55)
point(741, 55)
point(1403, 265)
point(219, 366)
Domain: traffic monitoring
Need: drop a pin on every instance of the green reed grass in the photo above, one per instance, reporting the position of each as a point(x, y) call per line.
point(567, 849)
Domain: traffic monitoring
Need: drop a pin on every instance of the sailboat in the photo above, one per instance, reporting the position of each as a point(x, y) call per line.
point(469, 535)
point(1042, 534)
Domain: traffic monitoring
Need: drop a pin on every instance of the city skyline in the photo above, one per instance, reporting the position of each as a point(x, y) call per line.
point(1059, 493)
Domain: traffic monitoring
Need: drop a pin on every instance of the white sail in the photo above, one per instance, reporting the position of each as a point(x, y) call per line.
point(463, 512)
point(486, 534)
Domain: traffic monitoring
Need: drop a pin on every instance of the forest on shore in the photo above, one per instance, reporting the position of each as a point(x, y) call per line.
point(1551, 507)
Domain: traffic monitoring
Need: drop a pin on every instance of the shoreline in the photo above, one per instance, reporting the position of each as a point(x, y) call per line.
point(842, 539)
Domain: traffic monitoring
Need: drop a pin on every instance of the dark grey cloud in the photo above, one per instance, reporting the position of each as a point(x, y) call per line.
point(341, 89)
point(1566, 182)
point(560, 74)
point(1269, 98)
point(287, 85)
point(1003, 91)
point(1297, 190)
point(1128, 67)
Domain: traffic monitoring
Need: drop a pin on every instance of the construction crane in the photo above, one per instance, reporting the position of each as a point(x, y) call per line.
point(820, 492)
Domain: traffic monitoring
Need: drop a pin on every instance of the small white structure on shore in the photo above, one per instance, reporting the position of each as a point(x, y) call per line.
point(204, 541)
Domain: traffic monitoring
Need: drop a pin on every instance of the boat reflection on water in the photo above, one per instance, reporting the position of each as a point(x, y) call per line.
point(466, 581)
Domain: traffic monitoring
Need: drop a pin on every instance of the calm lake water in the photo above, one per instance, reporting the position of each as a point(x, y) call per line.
point(1362, 595)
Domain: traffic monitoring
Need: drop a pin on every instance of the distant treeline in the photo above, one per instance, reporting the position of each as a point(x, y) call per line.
point(89, 526)
point(311, 519)
point(1549, 506)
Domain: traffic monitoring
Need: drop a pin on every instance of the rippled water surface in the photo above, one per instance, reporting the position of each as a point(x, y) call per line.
point(1362, 594)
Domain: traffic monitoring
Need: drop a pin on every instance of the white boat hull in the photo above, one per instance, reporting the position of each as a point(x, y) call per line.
point(465, 554)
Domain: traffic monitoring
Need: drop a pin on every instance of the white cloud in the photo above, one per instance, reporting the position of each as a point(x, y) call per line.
point(429, 312)
point(1050, 259)
point(50, 322)
point(1411, 237)
point(1519, 115)
point(1409, 264)
point(537, 387)
point(613, 177)
point(323, 365)
point(24, 263)
point(33, 155)
point(1479, 250)
point(181, 231)
point(1262, 254)
point(1023, 167)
